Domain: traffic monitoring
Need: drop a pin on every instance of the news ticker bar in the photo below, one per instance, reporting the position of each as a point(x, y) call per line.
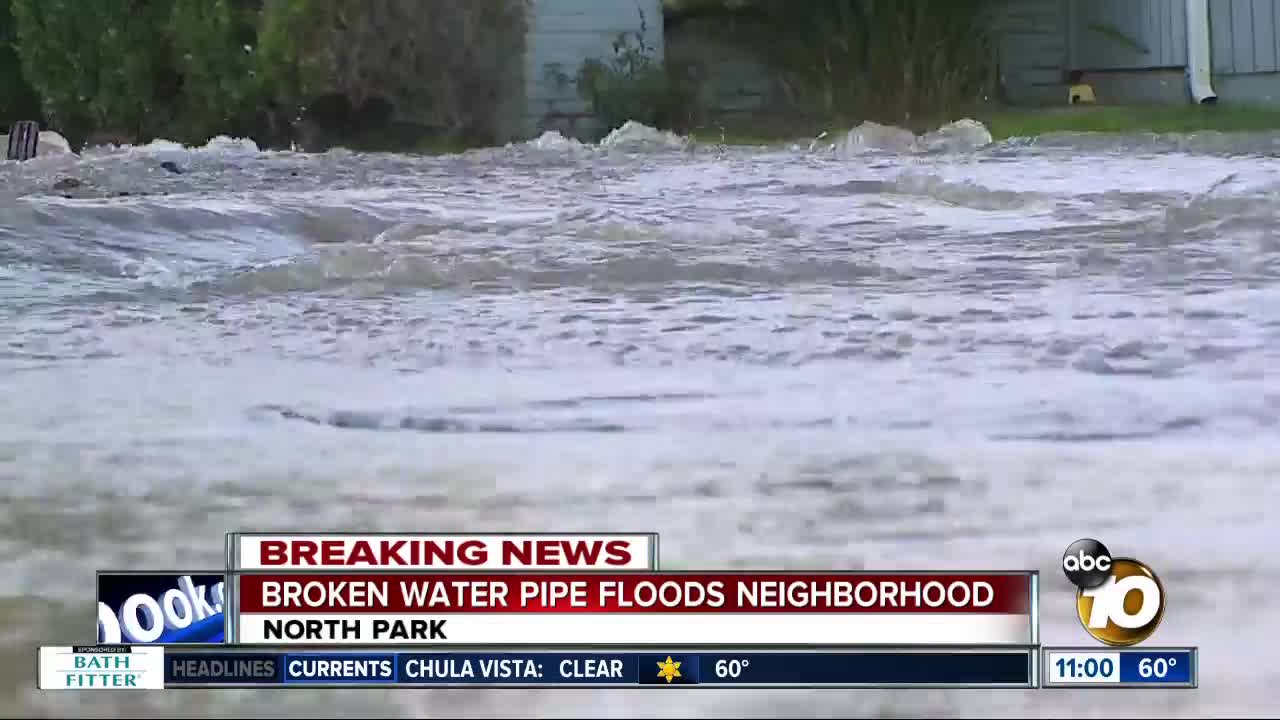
point(105, 667)
point(156, 667)
point(1121, 667)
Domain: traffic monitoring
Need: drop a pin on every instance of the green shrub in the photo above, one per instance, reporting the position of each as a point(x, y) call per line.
point(884, 60)
point(634, 85)
point(288, 54)
point(214, 50)
point(17, 100)
point(444, 61)
point(140, 68)
point(95, 64)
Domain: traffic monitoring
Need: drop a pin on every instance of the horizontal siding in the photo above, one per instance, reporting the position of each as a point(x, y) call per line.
point(1033, 49)
point(563, 34)
point(1246, 36)
point(1128, 34)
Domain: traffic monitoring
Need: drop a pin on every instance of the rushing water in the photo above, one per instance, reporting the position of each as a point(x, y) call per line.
point(807, 357)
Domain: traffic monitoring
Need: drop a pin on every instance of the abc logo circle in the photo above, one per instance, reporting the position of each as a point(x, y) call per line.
point(1126, 608)
point(1087, 563)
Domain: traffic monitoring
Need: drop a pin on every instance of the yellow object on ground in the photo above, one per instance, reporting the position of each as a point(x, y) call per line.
point(1081, 94)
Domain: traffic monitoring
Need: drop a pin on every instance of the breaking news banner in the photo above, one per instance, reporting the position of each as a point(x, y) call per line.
point(1121, 667)
point(101, 667)
point(162, 608)
point(351, 552)
point(451, 552)
point(638, 609)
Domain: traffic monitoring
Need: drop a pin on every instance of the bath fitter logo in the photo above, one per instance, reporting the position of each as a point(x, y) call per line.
point(1120, 601)
point(102, 667)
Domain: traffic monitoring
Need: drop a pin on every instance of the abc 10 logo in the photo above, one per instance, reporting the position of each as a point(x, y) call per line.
point(1120, 601)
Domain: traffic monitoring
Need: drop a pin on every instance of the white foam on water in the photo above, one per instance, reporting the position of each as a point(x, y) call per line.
point(963, 135)
point(230, 145)
point(959, 136)
point(552, 140)
point(870, 136)
point(162, 149)
point(157, 146)
point(633, 135)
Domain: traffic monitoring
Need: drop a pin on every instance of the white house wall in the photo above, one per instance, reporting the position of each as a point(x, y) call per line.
point(562, 35)
point(1128, 34)
point(1245, 36)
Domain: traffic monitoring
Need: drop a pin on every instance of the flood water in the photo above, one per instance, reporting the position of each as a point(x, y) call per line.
point(788, 358)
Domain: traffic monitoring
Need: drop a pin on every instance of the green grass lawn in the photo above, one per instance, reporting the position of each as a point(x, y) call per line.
point(1123, 118)
point(1017, 122)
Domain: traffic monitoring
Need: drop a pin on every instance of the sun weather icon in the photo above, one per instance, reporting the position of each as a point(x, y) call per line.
point(669, 669)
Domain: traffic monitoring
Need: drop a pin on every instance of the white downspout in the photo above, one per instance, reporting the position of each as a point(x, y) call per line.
point(1199, 53)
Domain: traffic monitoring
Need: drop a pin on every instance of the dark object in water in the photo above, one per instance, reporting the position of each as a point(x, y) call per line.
point(171, 166)
point(67, 184)
point(23, 138)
